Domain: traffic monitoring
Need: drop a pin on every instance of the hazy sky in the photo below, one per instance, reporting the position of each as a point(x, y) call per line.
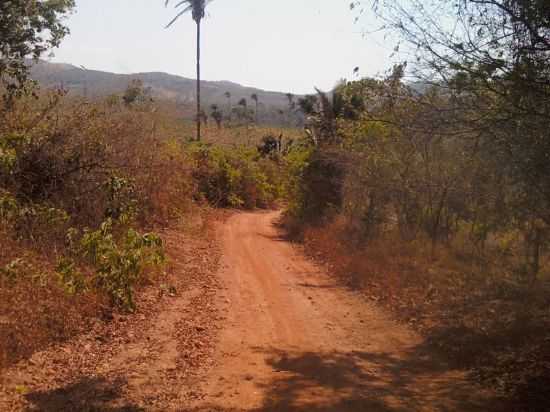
point(284, 45)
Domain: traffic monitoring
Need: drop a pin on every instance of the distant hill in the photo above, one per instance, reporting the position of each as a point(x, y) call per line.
point(94, 83)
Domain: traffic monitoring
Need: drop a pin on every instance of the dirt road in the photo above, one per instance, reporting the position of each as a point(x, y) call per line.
point(295, 340)
point(263, 329)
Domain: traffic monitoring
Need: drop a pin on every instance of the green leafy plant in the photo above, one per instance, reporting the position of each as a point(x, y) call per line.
point(19, 269)
point(237, 177)
point(28, 29)
point(121, 199)
point(119, 264)
point(31, 221)
point(12, 270)
point(70, 278)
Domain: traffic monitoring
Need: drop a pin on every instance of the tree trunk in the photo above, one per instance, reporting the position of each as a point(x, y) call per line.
point(256, 113)
point(536, 255)
point(533, 244)
point(198, 81)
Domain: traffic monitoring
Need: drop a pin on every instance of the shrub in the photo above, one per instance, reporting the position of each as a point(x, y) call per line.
point(70, 278)
point(92, 160)
point(118, 263)
point(236, 177)
point(34, 222)
point(270, 146)
point(314, 184)
point(20, 269)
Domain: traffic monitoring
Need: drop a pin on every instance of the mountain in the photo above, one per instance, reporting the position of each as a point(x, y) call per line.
point(164, 86)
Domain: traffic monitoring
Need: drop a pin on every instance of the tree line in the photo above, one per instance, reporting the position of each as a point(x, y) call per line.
point(462, 151)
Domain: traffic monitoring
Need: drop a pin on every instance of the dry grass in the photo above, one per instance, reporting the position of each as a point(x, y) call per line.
point(474, 314)
point(238, 135)
point(35, 311)
point(70, 150)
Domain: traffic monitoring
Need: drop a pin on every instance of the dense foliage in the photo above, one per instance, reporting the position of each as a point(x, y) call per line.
point(237, 177)
point(433, 195)
point(28, 28)
point(83, 186)
point(70, 166)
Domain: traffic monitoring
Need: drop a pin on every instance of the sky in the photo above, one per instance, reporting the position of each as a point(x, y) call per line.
point(284, 45)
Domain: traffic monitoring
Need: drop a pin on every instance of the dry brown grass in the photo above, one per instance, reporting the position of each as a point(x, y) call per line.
point(474, 314)
point(35, 311)
point(67, 151)
point(70, 150)
point(239, 135)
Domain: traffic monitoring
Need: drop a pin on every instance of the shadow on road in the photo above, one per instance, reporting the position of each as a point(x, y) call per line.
point(362, 381)
point(86, 395)
point(325, 286)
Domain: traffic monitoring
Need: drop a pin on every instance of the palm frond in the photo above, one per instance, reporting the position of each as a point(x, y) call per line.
point(196, 7)
point(175, 18)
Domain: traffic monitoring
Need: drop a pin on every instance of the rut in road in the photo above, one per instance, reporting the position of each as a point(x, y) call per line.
point(295, 340)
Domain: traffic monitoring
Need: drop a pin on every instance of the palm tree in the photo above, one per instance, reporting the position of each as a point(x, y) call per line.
point(242, 112)
point(291, 106)
point(216, 115)
point(290, 98)
point(254, 97)
point(228, 97)
point(197, 9)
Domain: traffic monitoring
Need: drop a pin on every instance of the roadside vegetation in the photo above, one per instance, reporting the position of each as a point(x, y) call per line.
point(84, 187)
point(430, 196)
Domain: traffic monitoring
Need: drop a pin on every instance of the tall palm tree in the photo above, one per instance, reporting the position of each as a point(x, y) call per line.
point(254, 97)
point(290, 98)
point(197, 9)
point(243, 103)
point(228, 97)
point(291, 106)
point(217, 115)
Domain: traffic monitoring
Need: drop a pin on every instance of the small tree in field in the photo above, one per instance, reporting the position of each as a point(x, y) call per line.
point(228, 97)
point(291, 106)
point(217, 115)
point(254, 97)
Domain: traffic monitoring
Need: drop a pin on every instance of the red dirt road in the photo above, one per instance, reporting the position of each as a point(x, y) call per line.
point(295, 340)
point(262, 330)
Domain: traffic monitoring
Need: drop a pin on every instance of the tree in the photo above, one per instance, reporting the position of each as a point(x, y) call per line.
point(228, 97)
point(203, 117)
point(137, 93)
point(28, 29)
point(490, 58)
point(242, 113)
point(291, 106)
point(290, 98)
point(197, 9)
point(217, 115)
point(254, 97)
point(270, 145)
point(322, 111)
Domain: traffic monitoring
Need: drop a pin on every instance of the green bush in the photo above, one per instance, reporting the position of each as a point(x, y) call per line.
point(118, 262)
point(20, 269)
point(236, 177)
point(120, 266)
point(314, 183)
point(29, 221)
point(70, 278)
